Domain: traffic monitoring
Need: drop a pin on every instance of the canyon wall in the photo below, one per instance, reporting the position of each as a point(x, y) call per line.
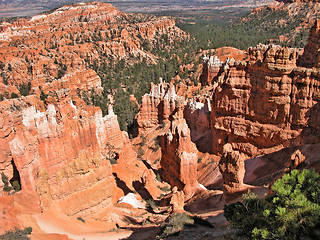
point(162, 115)
point(179, 155)
point(59, 154)
point(267, 103)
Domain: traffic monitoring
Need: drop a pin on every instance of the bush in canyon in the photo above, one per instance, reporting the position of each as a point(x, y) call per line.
point(17, 234)
point(291, 211)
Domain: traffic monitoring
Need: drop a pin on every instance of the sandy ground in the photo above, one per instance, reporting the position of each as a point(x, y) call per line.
point(75, 230)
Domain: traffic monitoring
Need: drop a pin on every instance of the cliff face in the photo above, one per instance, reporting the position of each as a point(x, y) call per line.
point(197, 116)
point(59, 151)
point(60, 154)
point(156, 106)
point(311, 57)
point(162, 118)
point(266, 103)
point(179, 156)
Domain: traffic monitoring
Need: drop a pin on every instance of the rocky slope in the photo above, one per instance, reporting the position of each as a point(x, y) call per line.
point(69, 40)
point(289, 20)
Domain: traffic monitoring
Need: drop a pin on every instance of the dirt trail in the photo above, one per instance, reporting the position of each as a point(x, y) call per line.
point(75, 231)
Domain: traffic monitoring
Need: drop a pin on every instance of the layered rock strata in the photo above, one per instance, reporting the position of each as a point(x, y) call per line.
point(232, 169)
point(156, 106)
point(211, 68)
point(267, 103)
point(311, 54)
point(197, 115)
point(60, 155)
point(179, 155)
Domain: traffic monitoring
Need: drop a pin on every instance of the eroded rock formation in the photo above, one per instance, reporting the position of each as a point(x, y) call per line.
point(311, 54)
point(211, 68)
point(232, 169)
point(59, 154)
point(156, 106)
point(197, 115)
point(266, 103)
point(179, 155)
point(60, 46)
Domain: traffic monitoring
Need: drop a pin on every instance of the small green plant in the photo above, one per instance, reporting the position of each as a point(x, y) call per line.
point(158, 177)
point(165, 188)
point(111, 154)
point(176, 223)
point(156, 145)
point(28, 230)
point(25, 88)
point(199, 160)
point(146, 221)
point(5, 180)
point(14, 95)
point(16, 185)
point(151, 204)
point(81, 219)
point(140, 152)
point(162, 124)
point(62, 70)
point(43, 96)
point(143, 140)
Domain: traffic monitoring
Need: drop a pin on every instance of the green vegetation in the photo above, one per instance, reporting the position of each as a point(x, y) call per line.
point(263, 26)
point(43, 96)
point(15, 183)
point(81, 219)
point(166, 188)
point(156, 145)
point(122, 78)
point(292, 211)
point(25, 88)
point(17, 234)
point(177, 222)
point(151, 205)
point(14, 95)
point(5, 180)
point(111, 154)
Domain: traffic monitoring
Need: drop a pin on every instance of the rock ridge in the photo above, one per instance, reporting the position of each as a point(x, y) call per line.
point(267, 103)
